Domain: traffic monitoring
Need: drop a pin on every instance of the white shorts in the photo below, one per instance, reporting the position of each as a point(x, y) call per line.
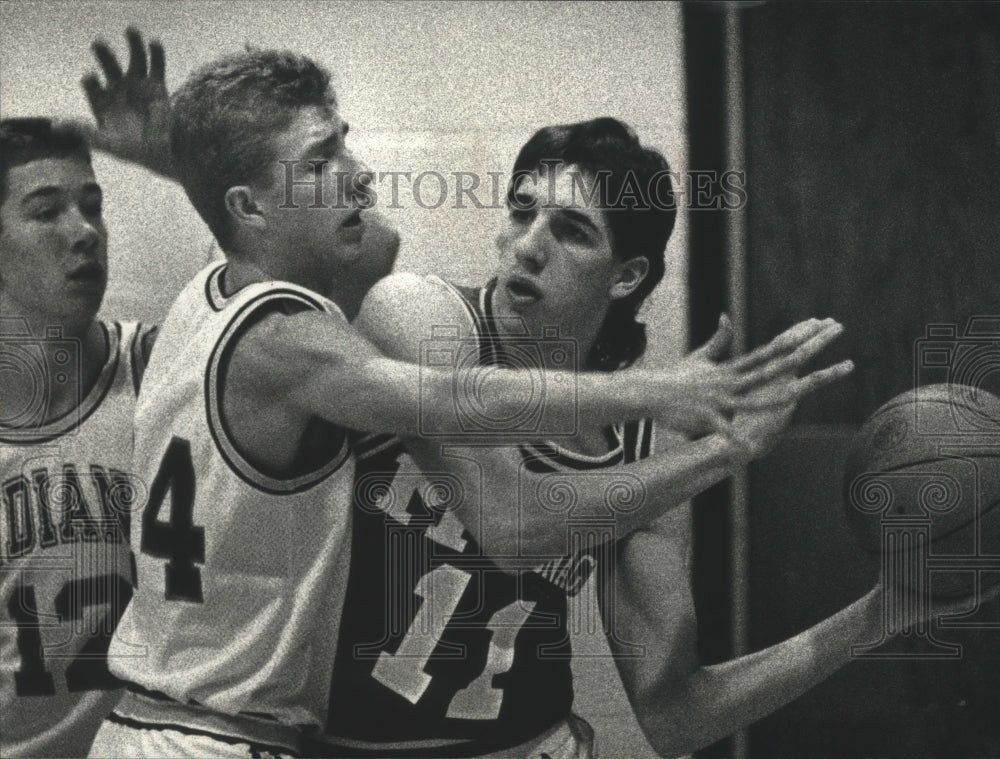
point(573, 738)
point(117, 741)
point(142, 728)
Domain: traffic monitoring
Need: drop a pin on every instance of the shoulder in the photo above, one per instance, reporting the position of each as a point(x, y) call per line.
point(406, 293)
point(278, 346)
point(403, 310)
point(135, 345)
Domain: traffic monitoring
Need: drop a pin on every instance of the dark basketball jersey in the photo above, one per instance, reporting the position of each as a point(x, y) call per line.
point(440, 652)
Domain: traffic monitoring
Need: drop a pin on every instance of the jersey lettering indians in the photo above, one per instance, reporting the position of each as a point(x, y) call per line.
point(66, 497)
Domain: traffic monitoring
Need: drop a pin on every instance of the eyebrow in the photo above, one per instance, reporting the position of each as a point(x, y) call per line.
point(49, 191)
point(579, 218)
point(328, 142)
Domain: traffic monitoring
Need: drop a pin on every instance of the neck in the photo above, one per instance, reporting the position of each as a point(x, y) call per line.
point(347, 298)
point(240, 273)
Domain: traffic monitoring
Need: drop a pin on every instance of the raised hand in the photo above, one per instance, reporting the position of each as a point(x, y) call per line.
point(762, 386)
point(782, 359)
point(132, 109)
point(768, 408)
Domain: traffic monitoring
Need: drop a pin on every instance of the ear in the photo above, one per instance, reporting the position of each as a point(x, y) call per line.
point(242, 209)
point(629, 275)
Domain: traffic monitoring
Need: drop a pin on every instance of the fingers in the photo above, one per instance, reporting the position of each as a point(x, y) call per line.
point(157, 61)
point(720, 423)
point(787, 341)
point(137, 63)
point(821, 378)
point(792, 362)
point(787, 390)
point(94, 91)
point(108, 61)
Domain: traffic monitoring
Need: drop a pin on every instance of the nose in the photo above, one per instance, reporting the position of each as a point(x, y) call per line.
point(84, 233)
point(361, 182)
point(531, 247)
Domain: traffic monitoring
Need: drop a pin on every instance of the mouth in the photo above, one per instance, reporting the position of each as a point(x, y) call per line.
point(523, 291)
point(89, 273)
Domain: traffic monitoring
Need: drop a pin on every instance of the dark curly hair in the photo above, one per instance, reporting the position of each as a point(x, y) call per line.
point(635, 191)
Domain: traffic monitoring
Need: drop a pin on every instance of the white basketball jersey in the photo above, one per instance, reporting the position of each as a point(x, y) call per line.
point(66, 495)
point(241, 574)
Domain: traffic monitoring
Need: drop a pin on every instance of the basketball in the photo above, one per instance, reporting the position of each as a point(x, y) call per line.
point(922, 487)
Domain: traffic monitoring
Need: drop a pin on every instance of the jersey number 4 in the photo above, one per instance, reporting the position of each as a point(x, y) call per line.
point(178, 540)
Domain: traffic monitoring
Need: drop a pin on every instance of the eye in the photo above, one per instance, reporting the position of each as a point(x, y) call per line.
point(568, 231)
point(48, 213)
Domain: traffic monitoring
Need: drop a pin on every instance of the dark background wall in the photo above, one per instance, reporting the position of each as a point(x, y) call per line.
point(873, 153)
point(873, 147)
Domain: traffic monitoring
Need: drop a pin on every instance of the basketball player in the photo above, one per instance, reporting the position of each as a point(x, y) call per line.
point(455, 657)
point(442, 651)
point(240, 429)
point(68, 385)
point(464, 719)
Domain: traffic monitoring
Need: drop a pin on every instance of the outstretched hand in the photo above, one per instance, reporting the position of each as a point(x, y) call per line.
point(762, 387)
point(132, 109)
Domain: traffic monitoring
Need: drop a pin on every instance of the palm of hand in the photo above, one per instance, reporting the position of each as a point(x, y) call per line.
point(132, 109)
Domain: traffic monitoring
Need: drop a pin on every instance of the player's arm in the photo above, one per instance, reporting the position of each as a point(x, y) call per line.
point(504, 502)
point(681, 705)
point(319, 365)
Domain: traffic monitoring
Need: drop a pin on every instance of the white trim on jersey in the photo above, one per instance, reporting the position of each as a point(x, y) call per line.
point(80, 411)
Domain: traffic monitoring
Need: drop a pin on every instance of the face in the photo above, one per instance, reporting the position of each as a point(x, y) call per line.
point(556, 267)
point(53, 243)
point(316, 208)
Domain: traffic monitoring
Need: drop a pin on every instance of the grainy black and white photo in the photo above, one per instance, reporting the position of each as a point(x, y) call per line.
point(538, 380)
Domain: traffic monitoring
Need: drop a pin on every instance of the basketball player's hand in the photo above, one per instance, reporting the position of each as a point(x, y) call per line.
point(707, 387)
point(769, 374)
point(756, 431)
point(131, 108)
point(759, 424)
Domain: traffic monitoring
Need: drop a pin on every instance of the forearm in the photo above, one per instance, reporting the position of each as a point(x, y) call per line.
point(516, 514)
point(633, 496)
point(720, 699)
point(545, 403)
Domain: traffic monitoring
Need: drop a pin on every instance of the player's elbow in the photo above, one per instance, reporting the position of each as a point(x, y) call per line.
point(670, 731)
point(672, 718)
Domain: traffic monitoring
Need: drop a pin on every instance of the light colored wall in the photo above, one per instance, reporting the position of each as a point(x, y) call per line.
point(442, 86)
point(445, 86)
